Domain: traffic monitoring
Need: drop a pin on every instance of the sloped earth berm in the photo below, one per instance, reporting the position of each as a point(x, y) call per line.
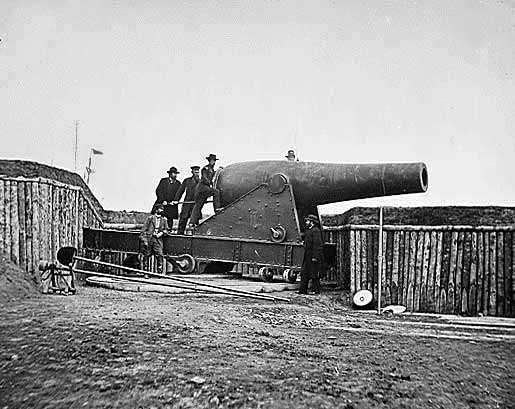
point(111, 349)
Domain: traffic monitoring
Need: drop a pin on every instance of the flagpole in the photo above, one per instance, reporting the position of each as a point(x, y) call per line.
point(75, 148)
point(88, 169)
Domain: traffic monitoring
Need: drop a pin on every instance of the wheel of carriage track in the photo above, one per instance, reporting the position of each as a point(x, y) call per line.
point(290, 275)
point(219, 267)
point(266, 274)
point(185, 263)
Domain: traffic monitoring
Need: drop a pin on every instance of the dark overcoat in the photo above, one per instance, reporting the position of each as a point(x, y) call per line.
point(313, 249)
point(187, 186)
point(165, 192)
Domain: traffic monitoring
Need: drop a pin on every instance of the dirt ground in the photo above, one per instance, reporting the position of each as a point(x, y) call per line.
point(111, 349)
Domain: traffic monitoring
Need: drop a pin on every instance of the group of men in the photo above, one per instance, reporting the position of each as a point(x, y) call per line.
point(196, 189)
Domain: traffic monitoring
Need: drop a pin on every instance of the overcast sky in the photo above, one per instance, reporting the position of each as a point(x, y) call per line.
point(162, 83)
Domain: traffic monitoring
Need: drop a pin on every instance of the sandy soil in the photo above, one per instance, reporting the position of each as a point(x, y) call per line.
point(105, 348)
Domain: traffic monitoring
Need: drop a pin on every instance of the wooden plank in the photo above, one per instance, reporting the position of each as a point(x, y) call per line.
point(21, 218)
point(55, 220)
point(394, 282)
point(465, 272)
point(508, 265)
point(370, 260)
point(69, 224)
point(459, 273)
point(492, 299)
point(486, 274)
point(364, 262)
point(344, 262)
point(438, 271)
point(352, 246)
point(479, 272)
point(80, 222)
point(512, 275)
point(384, 264)
point(445, 267)
point(472, 291)
point(15, 224)
point(452, 273)
point(424, 305)
point(389, 267)
point(375, 251)
point(433, 243)
point(28, 226)
point(418, 271)
point(35, 224)
point(48, 223)
point(406, 267)
point(359, 283)
point(400, 280)
point(412, 273)
point(500, 301)
point(2, 216)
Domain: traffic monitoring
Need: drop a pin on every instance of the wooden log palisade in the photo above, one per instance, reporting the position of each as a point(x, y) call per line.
point(443, 269)
point(38, 216)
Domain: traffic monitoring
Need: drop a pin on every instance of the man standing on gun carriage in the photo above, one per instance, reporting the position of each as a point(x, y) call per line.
point(165, 192)
point(188, 186)
point(151, 237)
point(205, 189)
point(313, 264)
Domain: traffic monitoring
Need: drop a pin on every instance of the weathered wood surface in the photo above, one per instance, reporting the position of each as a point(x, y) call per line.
point(467, 270)
point(38, 216)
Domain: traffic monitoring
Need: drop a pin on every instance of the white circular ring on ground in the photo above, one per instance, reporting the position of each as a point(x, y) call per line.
point(362, 298)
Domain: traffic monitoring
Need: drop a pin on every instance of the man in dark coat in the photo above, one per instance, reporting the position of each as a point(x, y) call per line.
point(313, 262)
point(188, 186)
point(165, 192)
point(151, 237)
point(205, 189)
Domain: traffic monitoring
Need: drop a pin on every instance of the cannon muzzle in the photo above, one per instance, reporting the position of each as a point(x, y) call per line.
point(317, 183)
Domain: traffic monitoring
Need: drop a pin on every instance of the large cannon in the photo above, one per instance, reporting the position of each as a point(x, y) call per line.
point(265, 203)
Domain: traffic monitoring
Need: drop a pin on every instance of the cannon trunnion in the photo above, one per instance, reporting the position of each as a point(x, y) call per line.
point(265, 203)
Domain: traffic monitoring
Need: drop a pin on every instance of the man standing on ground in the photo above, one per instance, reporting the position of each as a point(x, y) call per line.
point(188, 186)
point(205, 189)
point(165, 192)
point(313, 263)
point(151, 238)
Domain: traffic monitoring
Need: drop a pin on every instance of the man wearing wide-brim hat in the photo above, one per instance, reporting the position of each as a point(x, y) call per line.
point(313, 264)
point(165, 192)
point(205, 189)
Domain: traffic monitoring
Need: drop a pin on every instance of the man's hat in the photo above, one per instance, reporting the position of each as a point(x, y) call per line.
point(312, 217)
point(211, 156)
point(290, 154)
point(173, 169)
point(195, 167)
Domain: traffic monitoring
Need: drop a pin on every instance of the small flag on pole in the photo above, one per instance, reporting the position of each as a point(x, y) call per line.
point(96, 152)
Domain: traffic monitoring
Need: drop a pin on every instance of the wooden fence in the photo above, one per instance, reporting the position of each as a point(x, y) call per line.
point(444, 269)
point(38, 216)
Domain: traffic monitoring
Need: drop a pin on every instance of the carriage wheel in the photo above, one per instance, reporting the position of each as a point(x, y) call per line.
point(290, 275)
point(185, 263)
point(266, 274)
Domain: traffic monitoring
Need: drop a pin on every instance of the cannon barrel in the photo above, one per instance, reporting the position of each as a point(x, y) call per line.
point(317, 183)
